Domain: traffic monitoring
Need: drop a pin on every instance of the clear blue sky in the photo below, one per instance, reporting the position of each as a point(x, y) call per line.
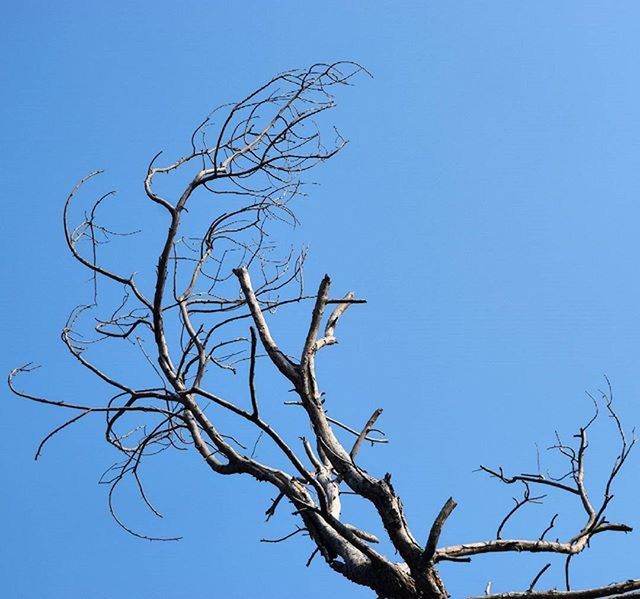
point(487, 207)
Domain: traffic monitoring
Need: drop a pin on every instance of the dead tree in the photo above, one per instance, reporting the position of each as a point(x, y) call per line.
point(203, 311)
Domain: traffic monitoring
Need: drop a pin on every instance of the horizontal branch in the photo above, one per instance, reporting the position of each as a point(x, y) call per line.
point(529, 478)
point(624, 590)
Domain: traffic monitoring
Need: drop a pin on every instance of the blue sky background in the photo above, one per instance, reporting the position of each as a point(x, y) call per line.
point(487, 207)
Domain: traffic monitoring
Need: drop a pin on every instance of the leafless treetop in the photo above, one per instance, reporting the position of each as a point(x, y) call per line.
point(202, 313)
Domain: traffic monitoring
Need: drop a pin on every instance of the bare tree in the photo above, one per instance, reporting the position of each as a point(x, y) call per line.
point(204, 310)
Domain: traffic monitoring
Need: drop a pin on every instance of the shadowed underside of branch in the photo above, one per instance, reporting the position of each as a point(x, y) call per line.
point(203, 312)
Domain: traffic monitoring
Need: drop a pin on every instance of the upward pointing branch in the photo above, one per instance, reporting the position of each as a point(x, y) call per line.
point(436, 530)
